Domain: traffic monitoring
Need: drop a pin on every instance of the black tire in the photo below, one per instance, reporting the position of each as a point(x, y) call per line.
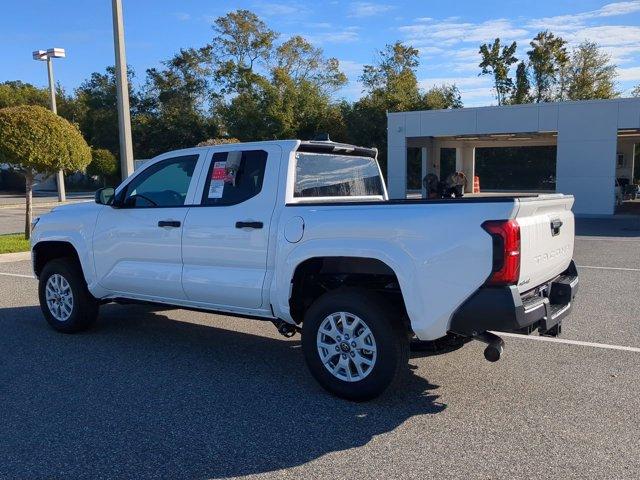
point(390, 333)
point(85, 307)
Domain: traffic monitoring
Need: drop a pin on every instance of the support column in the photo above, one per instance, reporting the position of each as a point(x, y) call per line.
point(396, 156)
point(424, 157)
point(434, 163)
point(469, 166)
point(459, 166)
point(633, 161)
point(586, 162)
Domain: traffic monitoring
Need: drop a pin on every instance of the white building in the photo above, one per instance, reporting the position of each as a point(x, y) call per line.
point(595, 143)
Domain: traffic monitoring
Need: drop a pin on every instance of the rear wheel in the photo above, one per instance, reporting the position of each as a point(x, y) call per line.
point(353, 345)
point(65, 300)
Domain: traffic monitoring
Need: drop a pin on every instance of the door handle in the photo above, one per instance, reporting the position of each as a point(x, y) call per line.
point(555, 227)
point(169, 223)
point(249, 225)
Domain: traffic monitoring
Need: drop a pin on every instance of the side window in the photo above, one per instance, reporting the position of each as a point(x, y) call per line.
point(164, 184)
point(234, 177)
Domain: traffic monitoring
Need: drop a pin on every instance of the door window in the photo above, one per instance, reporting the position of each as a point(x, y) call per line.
point(234, 177)
point(164, 184)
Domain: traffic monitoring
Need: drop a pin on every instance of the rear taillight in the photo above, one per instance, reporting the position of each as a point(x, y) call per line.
point(506, 251)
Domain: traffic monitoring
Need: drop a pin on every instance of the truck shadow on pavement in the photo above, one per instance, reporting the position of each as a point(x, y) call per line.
point(145, 396)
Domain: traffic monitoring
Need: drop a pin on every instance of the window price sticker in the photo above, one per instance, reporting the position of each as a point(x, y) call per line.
point(218, 175)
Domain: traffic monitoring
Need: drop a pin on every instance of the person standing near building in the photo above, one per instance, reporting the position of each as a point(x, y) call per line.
point(456, 184)
point(430, 183)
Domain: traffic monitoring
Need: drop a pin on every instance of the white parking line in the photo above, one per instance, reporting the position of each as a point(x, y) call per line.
point(607, 239)
point(569, 342)
point(610, 268)
point(16, 275)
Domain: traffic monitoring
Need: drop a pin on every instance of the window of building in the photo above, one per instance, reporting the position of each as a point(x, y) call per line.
point(516, 168)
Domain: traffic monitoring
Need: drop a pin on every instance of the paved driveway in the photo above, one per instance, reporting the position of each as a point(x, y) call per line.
point(156, 393)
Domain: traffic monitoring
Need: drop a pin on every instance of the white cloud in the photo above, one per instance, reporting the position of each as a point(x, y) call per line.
point(562, 24)
point(350, 68)
point(631, 74)
point(351, 91)
point(460, 82)
point(280, 9)
point(474, 90)
point(368, 9)
point(451, 32)
point(450, 45)
point(618, 8)
point(344, 35)
point(182, 16)
point(610, 35)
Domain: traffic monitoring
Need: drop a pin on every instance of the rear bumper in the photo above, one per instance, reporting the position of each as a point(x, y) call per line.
point(505, 309)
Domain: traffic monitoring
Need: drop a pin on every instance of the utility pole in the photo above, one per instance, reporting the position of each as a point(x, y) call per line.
point(48, 56)
point(122, 87)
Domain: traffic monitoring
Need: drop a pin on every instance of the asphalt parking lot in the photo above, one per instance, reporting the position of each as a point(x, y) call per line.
point(154, 393)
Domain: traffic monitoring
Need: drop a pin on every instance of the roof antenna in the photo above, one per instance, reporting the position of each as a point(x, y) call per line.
point(321, 137)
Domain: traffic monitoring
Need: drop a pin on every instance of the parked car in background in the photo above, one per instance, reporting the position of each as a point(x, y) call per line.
point(303, 234)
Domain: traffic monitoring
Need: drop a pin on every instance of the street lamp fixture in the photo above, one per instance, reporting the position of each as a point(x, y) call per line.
point(47, 56)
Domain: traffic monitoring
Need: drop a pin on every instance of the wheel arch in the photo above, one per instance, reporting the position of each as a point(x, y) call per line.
point(47, 250)
point(311, 276)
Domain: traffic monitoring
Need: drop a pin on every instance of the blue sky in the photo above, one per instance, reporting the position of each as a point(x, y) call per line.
point(447, 33)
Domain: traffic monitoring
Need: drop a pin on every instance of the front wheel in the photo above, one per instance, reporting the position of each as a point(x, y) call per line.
point(66, 303)
point(353, 345)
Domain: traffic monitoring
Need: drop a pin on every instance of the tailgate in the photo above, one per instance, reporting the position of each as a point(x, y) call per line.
point(547, 236)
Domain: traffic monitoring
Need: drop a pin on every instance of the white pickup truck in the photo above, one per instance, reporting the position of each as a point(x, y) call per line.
point(302, 233)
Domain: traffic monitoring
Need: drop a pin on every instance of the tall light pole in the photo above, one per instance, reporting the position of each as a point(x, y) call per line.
point(48, 56)
point(122, 87)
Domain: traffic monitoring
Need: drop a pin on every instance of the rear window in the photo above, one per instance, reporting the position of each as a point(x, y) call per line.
point(329, 175)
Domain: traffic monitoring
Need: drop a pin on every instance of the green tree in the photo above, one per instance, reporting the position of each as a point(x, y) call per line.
point(95, 109)
point(103, 165)
point(268, 89)
point(217, 141)
point(392, 78)
point(522, 88)
point(241, 43)
point(173, 110)
point(391, 85)
point(441, 97)
point(636, 91)
point(548, 58)
point(35, 140)
point(496, 61)
point(15, 93)
point(298, 93)
point(591, 73)
point(303, 63)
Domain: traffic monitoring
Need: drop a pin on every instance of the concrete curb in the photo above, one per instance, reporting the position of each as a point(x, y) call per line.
point(14, 257)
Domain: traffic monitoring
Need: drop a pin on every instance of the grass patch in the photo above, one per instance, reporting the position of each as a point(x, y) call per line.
point(14, 242)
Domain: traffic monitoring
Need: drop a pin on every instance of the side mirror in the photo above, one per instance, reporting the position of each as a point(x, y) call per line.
point(105, 195)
